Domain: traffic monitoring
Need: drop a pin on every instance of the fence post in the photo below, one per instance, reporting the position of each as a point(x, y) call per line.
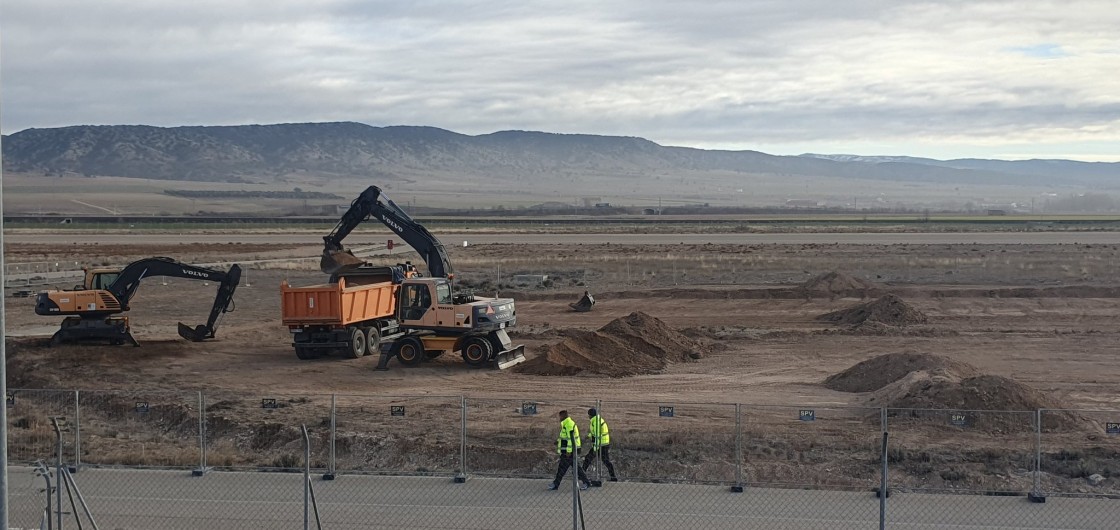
point(1036, 494)
point(77, 432)
point(574, 454)
point(884, 490)
point(330, 474)
point(201, 436)
point(738, 487)
point(462, 476)
point(599, 451)
point(306, 479)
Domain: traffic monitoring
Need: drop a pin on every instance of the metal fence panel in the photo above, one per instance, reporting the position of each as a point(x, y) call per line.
point(30, 435)
point(1080, 452)
point(672, 442)
point(146, 428)
point(517, 437)
point(263, 430)
point(811, 446)
point(406, 435)
point(959, 467)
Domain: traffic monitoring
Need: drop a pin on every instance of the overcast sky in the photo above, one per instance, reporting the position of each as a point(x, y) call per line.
point(949, 79)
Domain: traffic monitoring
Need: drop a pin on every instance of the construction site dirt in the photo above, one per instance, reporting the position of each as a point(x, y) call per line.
point(1004, 327)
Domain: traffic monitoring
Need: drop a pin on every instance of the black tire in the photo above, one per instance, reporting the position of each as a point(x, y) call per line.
point(477, 351)
point(410, 351)
point(357, 346)
point(373, 341)
point(306, 354)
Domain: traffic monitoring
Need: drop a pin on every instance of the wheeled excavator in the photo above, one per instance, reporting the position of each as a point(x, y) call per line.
point(430, 317)
point(91, 309)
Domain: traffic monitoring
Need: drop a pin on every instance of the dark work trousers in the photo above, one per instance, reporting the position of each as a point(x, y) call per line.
point(606, 452)
point(562, 469)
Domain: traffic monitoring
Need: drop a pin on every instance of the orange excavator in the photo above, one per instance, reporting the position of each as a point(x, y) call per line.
point(91, 308)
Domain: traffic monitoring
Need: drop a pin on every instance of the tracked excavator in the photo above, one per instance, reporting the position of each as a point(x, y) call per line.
point(90, 308)
point(395, 311)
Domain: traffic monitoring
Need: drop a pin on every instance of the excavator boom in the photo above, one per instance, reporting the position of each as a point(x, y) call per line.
point(336, 258)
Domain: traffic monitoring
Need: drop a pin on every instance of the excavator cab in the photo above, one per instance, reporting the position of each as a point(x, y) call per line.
point(100, 278)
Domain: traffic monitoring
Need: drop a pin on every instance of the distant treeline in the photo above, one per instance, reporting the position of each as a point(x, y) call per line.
point(241, 194)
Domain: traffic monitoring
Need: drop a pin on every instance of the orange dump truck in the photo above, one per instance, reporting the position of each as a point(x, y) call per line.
point(351, 314)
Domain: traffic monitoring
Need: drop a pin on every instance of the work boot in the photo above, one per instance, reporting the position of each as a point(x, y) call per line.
point(553, 487)
point(614, 479)
point(583, 486)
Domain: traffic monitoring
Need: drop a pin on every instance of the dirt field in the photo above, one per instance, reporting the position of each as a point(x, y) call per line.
point(1032, 325)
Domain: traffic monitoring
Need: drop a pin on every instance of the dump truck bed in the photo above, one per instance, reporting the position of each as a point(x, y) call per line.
point(336, 304)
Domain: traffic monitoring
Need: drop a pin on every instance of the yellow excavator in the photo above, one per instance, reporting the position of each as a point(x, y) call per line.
point(92, 306)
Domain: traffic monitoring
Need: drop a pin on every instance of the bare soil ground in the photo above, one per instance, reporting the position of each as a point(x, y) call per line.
point(1007, 327)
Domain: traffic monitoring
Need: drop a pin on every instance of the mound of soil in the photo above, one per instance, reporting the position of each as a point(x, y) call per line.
point(632, 345)
point(837, 283)
point(878, 372)
point(925, 388)
point(890, 310)
point(976, 395)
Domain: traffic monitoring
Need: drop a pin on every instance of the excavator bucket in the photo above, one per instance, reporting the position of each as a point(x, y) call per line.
point(195, 334)
point(584, 304)
point(338, 260)
point(510, 357)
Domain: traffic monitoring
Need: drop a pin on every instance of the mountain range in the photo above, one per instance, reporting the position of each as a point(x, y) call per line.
point(265, 153)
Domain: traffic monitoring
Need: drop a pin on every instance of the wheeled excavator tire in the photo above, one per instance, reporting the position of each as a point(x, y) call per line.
point(410, 352)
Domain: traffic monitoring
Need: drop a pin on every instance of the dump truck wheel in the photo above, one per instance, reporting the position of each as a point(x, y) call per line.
point(357, 343)
point(476, 351)
point(410, 352)
point(373, 341)
point(305, 353)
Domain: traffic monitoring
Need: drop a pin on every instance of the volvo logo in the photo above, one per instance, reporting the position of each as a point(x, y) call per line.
point(195, 273)
point(392, 224)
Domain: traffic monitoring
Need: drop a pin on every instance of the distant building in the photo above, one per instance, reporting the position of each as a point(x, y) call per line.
point(997, 212)
point(803, 203)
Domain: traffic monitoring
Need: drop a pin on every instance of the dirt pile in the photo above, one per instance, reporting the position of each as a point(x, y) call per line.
point(632, 345)
point(928, 387)
point(837, 283)
point(878, 372)
point(890, 310)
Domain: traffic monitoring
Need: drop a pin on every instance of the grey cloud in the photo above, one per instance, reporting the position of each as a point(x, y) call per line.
point(693, 74)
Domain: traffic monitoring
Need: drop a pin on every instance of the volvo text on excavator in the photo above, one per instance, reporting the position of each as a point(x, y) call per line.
point(395, 311)
point(90, 307)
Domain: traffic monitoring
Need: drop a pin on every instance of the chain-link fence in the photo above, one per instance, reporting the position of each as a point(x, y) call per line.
point(230, 459)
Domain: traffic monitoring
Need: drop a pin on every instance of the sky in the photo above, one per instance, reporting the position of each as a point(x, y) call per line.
point(944, 79)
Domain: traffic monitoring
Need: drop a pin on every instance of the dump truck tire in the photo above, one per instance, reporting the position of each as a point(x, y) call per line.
point(306, 354)
point(357, 346)
point(373, 341)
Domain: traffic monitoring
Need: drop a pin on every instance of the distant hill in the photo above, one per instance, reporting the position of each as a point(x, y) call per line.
point(265, 153)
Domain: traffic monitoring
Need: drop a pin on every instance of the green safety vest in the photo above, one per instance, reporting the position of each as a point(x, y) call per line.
point(568, 432)
point(600, 434)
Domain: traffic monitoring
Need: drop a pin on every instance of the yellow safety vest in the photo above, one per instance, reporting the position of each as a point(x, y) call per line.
point(568, 432)
point(600, 434)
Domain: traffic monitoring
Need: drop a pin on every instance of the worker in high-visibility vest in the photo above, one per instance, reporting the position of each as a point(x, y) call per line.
point(600, 437)
point(569, 436)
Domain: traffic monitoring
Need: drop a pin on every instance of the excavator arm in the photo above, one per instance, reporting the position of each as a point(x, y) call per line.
point(222, 304)
point(370, 204)
point(130, 277)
